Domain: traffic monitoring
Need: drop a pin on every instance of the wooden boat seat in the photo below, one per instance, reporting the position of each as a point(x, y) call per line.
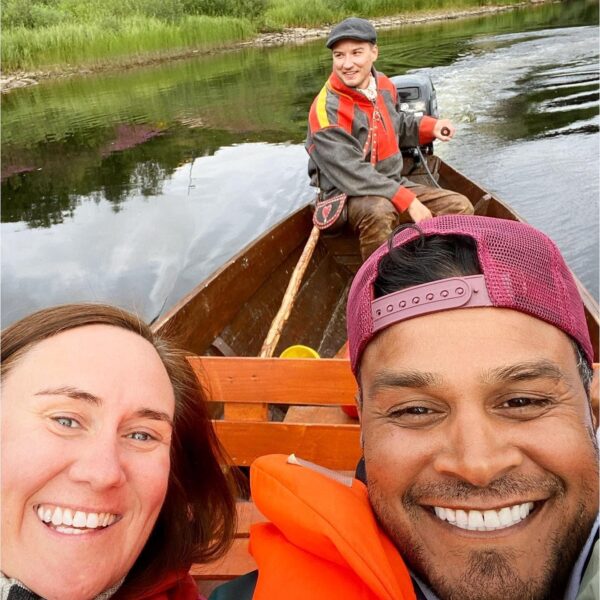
point(317, 414)
point(311, 391)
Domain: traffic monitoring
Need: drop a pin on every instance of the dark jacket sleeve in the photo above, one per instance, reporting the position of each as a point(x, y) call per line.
point(240, 588)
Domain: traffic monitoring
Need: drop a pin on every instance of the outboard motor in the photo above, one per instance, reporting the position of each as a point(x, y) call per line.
point(416, 95)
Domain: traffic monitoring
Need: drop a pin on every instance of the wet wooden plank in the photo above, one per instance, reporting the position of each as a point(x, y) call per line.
point(276, 380)
point(315, 306)
point(318, 414)
point(452, 179)
point(333, 446)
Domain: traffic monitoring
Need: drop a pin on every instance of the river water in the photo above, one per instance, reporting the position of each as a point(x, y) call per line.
point(130, 188)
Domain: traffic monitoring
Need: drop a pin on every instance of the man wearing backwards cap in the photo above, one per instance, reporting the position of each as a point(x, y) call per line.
point(470, 347)
point(353, 134)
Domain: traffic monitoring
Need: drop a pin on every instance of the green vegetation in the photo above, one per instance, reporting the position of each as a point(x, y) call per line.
point(309, 13)
point(86, 43)
point(42, 34)
point(46, 33)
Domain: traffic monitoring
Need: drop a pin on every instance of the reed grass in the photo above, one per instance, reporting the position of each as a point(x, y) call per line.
point(44, 13)
point(113, 38)
point(299, 13)
point(309, 13)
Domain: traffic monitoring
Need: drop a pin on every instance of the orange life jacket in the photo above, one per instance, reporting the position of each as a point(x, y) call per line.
point(323, 541)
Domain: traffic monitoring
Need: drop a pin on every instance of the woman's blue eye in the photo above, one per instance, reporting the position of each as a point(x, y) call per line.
point(66, 422)
point(140, 436)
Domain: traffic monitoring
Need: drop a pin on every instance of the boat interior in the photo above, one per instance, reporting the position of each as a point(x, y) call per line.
point(230, 313)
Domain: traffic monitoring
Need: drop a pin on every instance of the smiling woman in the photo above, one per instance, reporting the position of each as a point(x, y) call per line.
point(112, 479)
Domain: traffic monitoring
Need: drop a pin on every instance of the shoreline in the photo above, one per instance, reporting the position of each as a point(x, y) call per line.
point(292, 35)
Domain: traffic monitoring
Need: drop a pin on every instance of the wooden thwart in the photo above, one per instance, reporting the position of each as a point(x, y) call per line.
point(275, 380)
point(330, 445)
point(314, 389)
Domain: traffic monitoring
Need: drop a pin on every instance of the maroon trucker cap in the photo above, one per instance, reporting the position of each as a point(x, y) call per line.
point(522, 270)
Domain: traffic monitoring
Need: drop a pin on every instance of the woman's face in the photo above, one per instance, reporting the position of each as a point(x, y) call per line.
point(86, 432)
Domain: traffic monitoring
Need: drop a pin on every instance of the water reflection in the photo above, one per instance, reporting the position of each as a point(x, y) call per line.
point(132, 187)
point(156, 247)
point(554, 96)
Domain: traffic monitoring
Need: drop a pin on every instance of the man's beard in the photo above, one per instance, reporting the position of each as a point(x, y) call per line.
point(490, 573)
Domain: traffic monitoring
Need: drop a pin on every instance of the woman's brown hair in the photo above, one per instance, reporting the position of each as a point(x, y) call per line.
point(197, 520)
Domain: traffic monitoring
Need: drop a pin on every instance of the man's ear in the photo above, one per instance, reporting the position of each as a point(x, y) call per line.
point(594, 394)
point(359, 405)
point(375, 49)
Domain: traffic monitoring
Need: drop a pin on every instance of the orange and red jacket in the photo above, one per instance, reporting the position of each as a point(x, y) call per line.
point(353, 142)
point(323, 541)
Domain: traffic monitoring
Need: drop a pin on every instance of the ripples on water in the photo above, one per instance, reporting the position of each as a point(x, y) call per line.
point(528, 114)
point(136, 186)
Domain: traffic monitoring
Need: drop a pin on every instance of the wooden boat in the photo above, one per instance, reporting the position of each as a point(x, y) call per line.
point(274, 405)
point(229, 314)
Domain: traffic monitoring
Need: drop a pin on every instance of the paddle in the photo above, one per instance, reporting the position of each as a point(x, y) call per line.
point(289, 297)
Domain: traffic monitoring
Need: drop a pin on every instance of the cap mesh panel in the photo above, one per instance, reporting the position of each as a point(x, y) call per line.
point(523, 270)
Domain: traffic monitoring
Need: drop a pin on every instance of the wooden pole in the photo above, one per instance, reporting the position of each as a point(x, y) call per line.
point(290, 296)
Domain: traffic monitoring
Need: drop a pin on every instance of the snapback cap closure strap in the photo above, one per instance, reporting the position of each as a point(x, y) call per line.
point(445, 294)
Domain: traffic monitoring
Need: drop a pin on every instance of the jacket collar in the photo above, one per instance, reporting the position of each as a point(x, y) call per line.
point(337, 85)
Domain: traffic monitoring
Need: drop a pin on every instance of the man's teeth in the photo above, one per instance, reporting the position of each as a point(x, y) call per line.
point(66, 520)
point(485, 520)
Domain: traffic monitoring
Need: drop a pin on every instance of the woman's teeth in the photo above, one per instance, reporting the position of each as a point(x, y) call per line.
point(66, 520)
point(485, 520)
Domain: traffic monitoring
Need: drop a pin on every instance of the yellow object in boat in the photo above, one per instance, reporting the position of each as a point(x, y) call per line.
point(299, 351)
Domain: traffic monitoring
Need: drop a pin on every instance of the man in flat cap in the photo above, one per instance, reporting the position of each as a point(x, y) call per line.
point(353, 142)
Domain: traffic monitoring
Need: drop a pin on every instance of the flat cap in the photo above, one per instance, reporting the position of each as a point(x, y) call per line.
point(353, 29)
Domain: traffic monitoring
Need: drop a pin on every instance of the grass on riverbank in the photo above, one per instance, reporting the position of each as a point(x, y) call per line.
point(310, 13)
point(42, 34)
point(103, 41)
